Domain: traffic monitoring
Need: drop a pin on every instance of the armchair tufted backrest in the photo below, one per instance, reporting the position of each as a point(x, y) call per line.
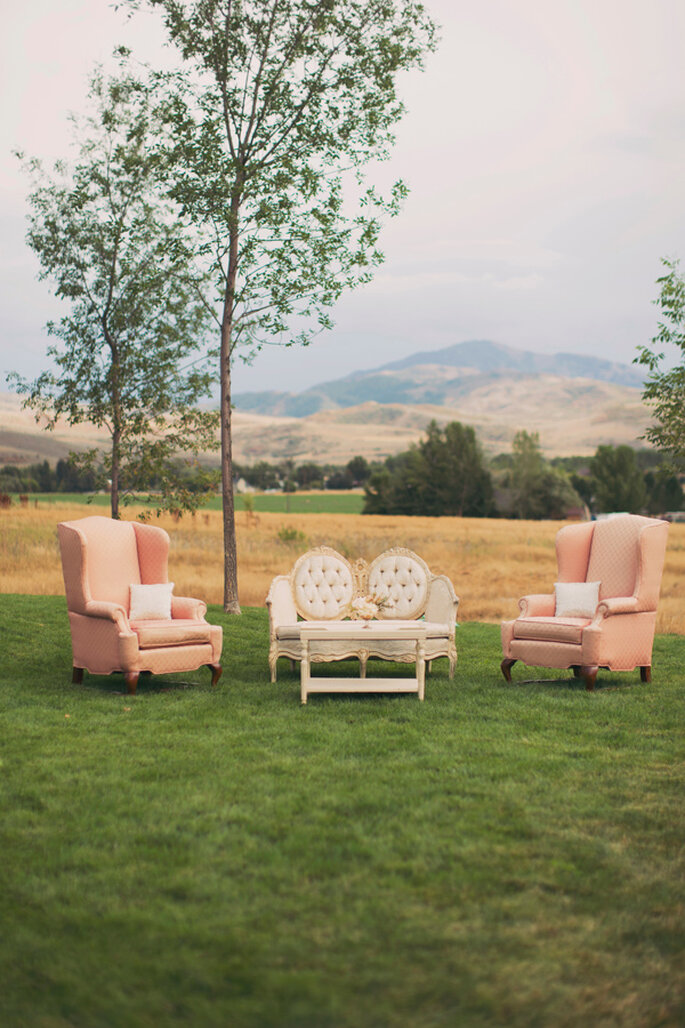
point(405, 578)
point(322, 584)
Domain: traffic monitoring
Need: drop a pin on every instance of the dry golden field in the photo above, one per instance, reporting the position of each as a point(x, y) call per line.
point(490, 562)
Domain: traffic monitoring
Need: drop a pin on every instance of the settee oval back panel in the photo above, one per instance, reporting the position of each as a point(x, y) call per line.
point(404, 577)
point(322, 585)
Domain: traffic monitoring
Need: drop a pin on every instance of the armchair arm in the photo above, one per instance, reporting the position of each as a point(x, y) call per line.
point(616, 605)
point(110, 612)
point(187, 607)
point(442, 601)
point(537, 605)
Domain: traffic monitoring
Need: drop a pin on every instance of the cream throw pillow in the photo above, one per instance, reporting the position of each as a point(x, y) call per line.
point(576, 599)
point(151, 602)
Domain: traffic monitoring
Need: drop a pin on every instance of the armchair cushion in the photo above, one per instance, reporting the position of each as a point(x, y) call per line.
point(576, 599)
point(163, 632)
point(151, 602)
point(550, 629)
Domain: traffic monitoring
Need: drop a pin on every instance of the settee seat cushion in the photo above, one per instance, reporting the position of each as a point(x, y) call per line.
point(179, 632)
point(551, 629)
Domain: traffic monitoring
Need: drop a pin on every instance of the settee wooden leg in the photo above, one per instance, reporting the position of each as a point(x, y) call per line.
point(77, 675)
point(506, 665)
point(575, 668)
point(216, 670)
point(646, 673)
point(588, 673)
point(131, 679)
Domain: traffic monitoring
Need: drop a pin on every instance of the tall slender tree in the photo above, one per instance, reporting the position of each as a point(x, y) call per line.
point(664, 389)
point(133, 342)
point(278, 110)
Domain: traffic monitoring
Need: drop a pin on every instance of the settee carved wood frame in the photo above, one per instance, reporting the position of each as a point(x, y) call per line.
point(429, 595)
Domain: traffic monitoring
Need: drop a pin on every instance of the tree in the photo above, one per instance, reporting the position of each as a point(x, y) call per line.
point(538, 489)
point(359, 468)
point(617, 482)
point(664, 492)
point(665, 388)
point(279, 108)
point(131, 355)
point(444, 474)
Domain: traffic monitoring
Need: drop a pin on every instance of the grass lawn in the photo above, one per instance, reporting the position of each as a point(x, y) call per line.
point(279, 503)
point(498, 855)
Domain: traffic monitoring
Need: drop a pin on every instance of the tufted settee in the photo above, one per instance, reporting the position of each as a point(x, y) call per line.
point(322, 585)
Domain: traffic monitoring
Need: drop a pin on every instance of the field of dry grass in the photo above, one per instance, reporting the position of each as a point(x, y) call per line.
point(491, 563)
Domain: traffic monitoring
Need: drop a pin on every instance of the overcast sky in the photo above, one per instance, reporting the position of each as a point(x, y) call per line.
point(544, 148)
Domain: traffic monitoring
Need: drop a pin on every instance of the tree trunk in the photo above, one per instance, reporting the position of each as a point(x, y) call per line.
point(231, 605)
point(114, 493)
point(116, 428)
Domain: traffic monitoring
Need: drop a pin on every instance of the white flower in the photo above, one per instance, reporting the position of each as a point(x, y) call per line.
point(364, 607)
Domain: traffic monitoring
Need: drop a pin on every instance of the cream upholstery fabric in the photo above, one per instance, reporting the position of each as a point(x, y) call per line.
point(322, 585)
point(151, 602)
point(576, 599)
point(404, 578)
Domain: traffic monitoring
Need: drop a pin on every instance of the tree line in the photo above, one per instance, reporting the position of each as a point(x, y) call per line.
point(447, 473)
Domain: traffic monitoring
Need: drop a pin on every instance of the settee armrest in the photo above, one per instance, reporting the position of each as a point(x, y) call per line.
point(537, 605)
point(616, 605)
point(188, 607)
point(280, 603)
point(442, 602)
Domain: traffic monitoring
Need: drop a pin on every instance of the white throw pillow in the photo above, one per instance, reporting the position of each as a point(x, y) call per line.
point(151, 602)
point(576, 599)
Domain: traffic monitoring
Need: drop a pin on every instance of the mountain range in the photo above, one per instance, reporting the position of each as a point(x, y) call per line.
point(575, 403)
point(442, 378)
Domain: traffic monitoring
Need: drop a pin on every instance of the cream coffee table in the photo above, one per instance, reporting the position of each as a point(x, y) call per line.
point(359, 633)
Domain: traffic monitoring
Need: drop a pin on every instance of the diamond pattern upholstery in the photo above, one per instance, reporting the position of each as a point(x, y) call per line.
point(101, 559)
point(625, 553)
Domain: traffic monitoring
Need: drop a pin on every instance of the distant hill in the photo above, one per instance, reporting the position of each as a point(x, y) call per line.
point(443, 378)
point(575, 403)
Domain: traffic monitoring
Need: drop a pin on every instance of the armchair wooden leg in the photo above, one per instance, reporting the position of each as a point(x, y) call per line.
point(216, 670)
point(588, 672)
point(506, 666)
point(77, 675)
point(646, 673)
point(131, 679)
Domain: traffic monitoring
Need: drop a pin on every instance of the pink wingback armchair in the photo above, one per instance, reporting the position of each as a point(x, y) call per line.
point(101, 559)
point(625, 554)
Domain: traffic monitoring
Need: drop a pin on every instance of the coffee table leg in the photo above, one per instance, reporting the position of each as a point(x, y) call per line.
point(421, 667)
point(304, 672)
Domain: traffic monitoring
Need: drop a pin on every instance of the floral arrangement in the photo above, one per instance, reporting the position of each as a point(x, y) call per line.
point(367, 607)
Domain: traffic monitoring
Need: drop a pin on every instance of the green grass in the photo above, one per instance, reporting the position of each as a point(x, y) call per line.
point(280, 503)
point(498, 855)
